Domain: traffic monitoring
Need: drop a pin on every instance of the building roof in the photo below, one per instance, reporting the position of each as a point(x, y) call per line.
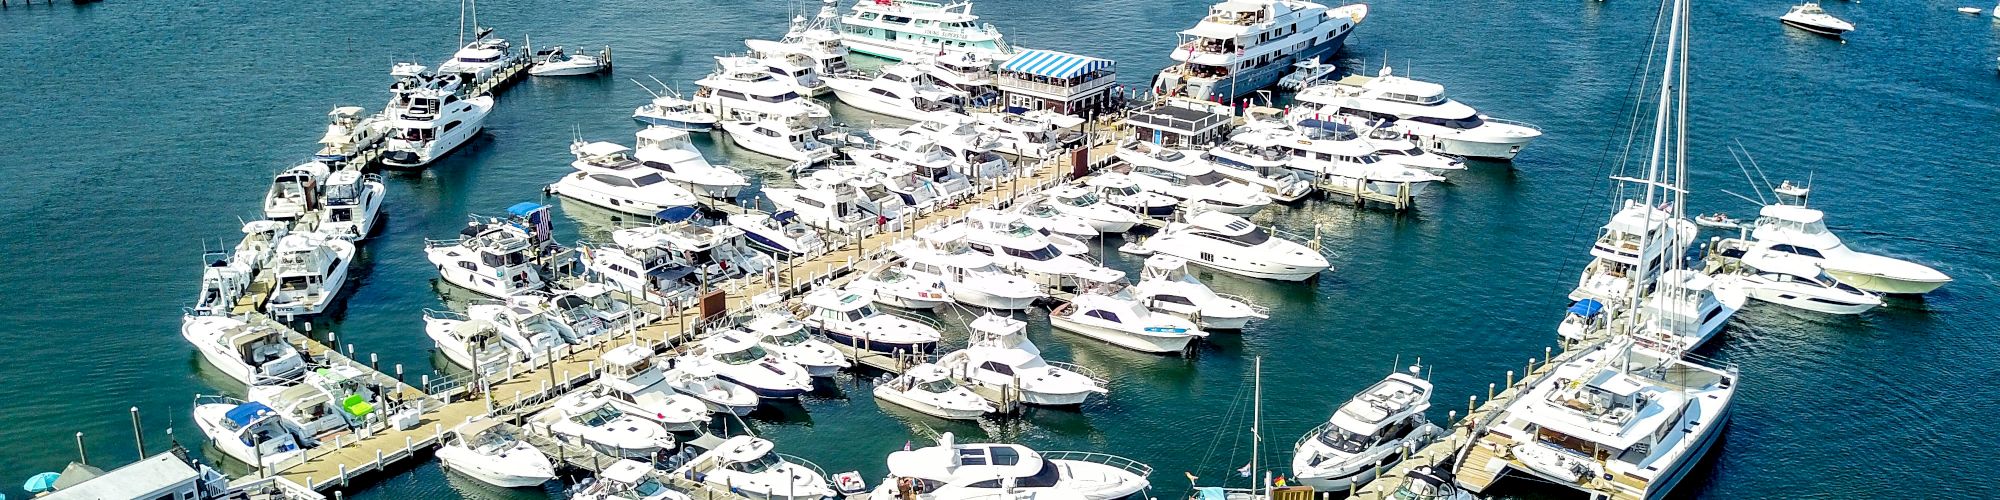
point(1052, 64)
point(141, 479)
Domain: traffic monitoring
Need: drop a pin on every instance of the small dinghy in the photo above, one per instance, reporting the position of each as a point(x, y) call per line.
point(1718, 220)
point(1135, 247)
point(1304, 74)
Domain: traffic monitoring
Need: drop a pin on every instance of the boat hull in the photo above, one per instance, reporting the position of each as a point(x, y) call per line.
point(1815, 29)
point(878, 346)
point(662, 121)
point(1886, 284)
point(884, 393)
point(991, 301)
point(1157, 344)
point(480, 467)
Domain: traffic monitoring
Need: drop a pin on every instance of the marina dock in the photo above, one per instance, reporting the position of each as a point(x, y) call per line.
point(1455, 450)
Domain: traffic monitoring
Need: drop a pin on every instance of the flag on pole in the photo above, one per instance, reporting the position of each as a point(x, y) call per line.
point(1245, 471)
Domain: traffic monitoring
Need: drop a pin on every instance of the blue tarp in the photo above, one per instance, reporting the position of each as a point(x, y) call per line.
point(1586, 307)
point(785, 216)
point(524, 208)
point(242, 414)
point(1053, 64)
point(1209, 493)
point(677, 214)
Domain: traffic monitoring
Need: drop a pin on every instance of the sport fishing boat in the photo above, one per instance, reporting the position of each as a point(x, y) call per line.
point(630, 375)
point(607, 176)
point(1232, 244)
point(746, 90)
point(779, 333)
point(492, 258)
point(249, 354)
point(902, 90)
point(1802, 232)
point(817, 38)
point(669, 151)
point(311, 270)
point(852, 320)
point(1168, 287)
point(1616, 410)
point(669, 109)
point(969, 277)
point(471, 344)
point(250, 432)
point(353, 203)
point(1242, 46)
point(958, 471)
point(429, 122)
point(1369, 433)
point(795, 70)
point(791, 138)
point(735, 356)
point(998, 357)
point(906, 29)
point(296, 191)
point(1185, 176)
point(1121, 191)
point(781, 233)
point(890, 286)
point(749, 465)
point(1112, 313)
point(1420, 111)
point(492, 452)
point(605, 424)
point(1084, 204)
point(927, 389)
point(1810, 17)
point(721, 396)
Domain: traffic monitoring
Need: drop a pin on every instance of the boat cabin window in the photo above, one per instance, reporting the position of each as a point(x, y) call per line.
point(939, 386)
point(990, 483)
point(895, 19)
point(731, 94)
point(1174, 299)
point(927, 268)
point(1103, 315)
point(869, 16)
point(759, 465)
point(1256, 236)
point(745, 356)
point(1350, 442)
point(1420, 100)
point(611, 180)
point(1047, 477)
point(1462, 123)
point(1208, 179)
point(1045, 253)
point(1797, 250)
point(885, 93)
point(648, 180)
point(779, 98)
point(502, 260)
point(996, 367)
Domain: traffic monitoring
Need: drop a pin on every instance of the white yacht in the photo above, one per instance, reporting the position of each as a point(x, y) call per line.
point(348, 132)
point(1613, 410)
point(890, 286)
point(626, 479)
point(491, 258)
point(852, 320)
point(553, 61)
point(737, 357)
point(906, 29)
point(1038, 213)
point(916, 168)
point(1341, 158)
point(779, 333)
point(1804, 231)
point(641, 268)
point(1630, 252)
point(226, 274)
point(1768, 273)
point(1169, 287)
point(970, 277)
point(795, 139)
point(1027, 137)
point(1086, 205)
point(1121, 191)
point(748, 465)
point(353, 204)
point(998, 357)
point(1686, 310)
point(1242, 46)
point(1112, 313)
point(607, 176)
point(1266, 168)
point(721, 396)
point(482, 58)
point(492, 452)
point(249, 354)
point(590, 310)
point(1049, 259)
point(798, 71)
point(670, 152)
point(780, 233)
point(716, 253)
point(250, 432)
point(311, 270)
point(843, 206)
point(296, 191)
point(927, 389)
point(471, 344)
point(429, 123)
point(746, 90)
point(902, 90)
point(957, 133)
point(969, 72)
point(1421, 112)
point(1810, 17)
point(1369, 433)
point(324, 402)
point(1185, 176)
point(962, 471)
point(1235, 245)
point(631, 375)
point(817, 38)
point(524, 319)
point(669, 109)
point(1320, 146)
point(606, 424)
point(1388, 143)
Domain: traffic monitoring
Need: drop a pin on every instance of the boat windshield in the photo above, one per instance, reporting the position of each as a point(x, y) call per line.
point(1087, 199)
point(1208, 179)
point(1348, 442)
point(939, 386)
point(758, 465)
point(795, 337)
point(1828, 280)
point(599, 417)
point(648, 180)
point(649, 488)
point(1044, 253)
point(742, 357)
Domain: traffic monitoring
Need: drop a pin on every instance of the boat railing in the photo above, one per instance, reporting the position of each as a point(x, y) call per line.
point(1254, 307)
point(1516, 123)
point(1080, 370)
point(1129, 465)
point(796, 460)
point(1312, 434)
point(211, 399)
point(914, 316)
point(445, 314)
point(443, 242)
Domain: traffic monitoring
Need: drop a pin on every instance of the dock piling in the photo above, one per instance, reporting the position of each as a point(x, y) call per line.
point(138, 435)
point(81, 456)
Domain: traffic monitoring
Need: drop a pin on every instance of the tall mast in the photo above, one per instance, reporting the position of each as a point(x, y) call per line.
point(1256, 421)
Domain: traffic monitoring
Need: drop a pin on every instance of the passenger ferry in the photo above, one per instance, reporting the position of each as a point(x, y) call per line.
point(905, 29)
point(1246, 45)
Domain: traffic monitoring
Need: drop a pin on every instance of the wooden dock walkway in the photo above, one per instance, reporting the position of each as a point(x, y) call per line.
point(1455, 451)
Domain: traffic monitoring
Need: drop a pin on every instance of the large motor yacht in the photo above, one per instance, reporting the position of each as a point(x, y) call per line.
point(353, 203)
point(961, 471)
point(1419, 110)
point(1169, 287)
point(311, 270)
point(671, 153)
point(1802, 231)
point(817, 38)
point(786, 337)
point(492, 258)
point(1186, 176)
point(429, 122)
point(1112, 313)
point(607, 176)
point(1776, 273)
point(1369, 433)
point(631, 375)
point(905, 29)
point(902, 90)
point(737, 357)
point(1242, 46)
point(780, 233)
point(852, 320)
point(1232, 244)
point(998, 357)
point(969, 277)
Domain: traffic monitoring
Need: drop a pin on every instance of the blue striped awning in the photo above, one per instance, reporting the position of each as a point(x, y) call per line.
point(1052, 64)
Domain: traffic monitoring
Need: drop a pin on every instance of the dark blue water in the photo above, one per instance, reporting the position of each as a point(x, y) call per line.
point(135, 130)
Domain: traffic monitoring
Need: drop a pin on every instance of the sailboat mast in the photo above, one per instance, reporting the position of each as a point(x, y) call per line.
point(1655, 159)
point(1256, 421)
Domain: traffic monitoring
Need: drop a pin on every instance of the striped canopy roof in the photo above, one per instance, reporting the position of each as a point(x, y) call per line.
point(1053, 64)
